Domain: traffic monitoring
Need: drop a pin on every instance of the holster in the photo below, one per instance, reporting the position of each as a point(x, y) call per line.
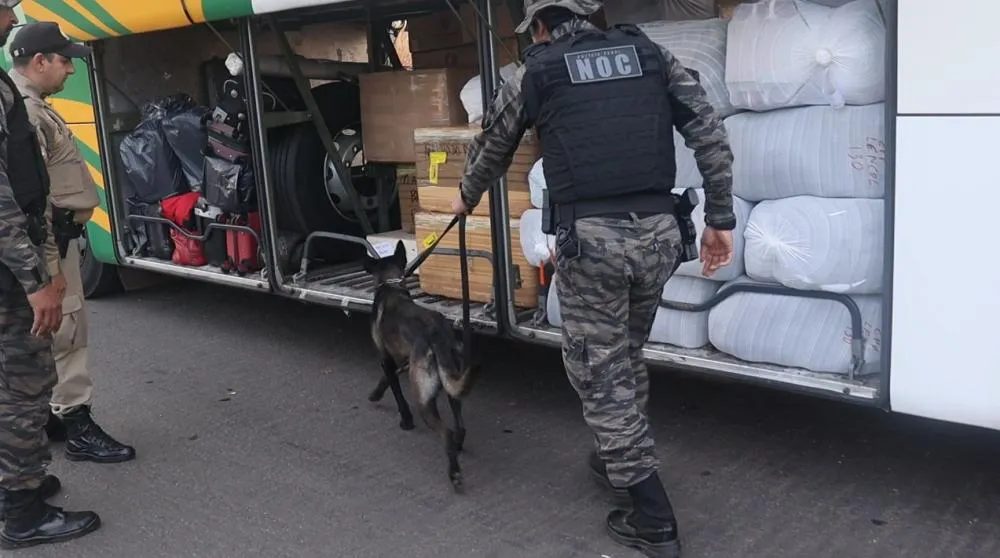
point(64, 229)
point(684, 205)
point(548, 214)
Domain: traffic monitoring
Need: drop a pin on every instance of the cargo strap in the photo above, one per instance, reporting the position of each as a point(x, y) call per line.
point(463, 257)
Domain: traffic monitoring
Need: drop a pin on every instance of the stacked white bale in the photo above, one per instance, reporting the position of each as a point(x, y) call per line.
point(810, 152)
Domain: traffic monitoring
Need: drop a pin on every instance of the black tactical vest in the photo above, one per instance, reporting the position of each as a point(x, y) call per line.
point(26, 170)
point(600, 105)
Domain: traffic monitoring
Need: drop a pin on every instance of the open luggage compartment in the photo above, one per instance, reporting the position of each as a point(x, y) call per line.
point(408, 118)
point(801, 303)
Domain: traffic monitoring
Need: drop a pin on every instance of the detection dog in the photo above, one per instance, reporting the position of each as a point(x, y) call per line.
point(421, 342)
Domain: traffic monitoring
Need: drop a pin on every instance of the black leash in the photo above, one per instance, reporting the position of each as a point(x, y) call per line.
point(462, 255)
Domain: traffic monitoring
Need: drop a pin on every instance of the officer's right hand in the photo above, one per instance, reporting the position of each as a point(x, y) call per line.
point(47, 304)
point(716, 250)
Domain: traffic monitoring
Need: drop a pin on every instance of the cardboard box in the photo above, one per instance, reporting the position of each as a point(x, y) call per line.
point(436, 31)
point(464, 56)
point(385, 245)
point(441, 156)
point(406, 185)
point(394, 103)
point(442, 274)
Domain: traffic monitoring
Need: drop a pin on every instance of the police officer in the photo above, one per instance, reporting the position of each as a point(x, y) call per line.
point(30, 312)
point(605, 104)
point(43, 61)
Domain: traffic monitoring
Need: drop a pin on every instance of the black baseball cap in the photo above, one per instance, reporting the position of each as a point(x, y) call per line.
point(45, 37)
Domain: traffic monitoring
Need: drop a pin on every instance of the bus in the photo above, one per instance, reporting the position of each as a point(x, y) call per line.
point(352, 139)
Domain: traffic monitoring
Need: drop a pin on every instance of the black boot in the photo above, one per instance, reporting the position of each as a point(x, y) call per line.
point(30, 521)
point(650, 527)
point(599, 470)
point(86, 441)
point(55, 429)
point(49, 488)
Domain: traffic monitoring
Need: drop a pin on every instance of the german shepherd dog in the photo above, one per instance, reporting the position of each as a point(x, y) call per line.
point(421, 341)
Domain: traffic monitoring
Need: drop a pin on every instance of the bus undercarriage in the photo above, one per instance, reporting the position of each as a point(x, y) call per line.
point(319, 198)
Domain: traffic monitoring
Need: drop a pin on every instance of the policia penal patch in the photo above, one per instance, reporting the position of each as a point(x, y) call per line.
point(603, 64)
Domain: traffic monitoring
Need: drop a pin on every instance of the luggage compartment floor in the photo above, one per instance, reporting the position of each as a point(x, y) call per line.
point(712, 361)
point(350, 286)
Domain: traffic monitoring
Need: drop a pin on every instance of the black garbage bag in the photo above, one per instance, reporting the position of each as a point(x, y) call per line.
point(152, 167)
point(230, 186)
point(187, 137)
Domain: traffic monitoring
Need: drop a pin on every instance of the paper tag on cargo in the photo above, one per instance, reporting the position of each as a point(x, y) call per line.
point(384, 249)
point(429, 240)
point(436, 158)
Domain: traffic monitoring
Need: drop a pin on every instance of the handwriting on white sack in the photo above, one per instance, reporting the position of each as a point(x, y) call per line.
point(869, 159)
point(872, 336)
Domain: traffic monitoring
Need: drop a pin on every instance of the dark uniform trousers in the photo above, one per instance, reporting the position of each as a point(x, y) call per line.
point(608, 298)
point(27, 376)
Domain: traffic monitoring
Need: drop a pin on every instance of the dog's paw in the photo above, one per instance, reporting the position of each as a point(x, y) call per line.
point(376, 395)
point(407, 424)
point(456, 482)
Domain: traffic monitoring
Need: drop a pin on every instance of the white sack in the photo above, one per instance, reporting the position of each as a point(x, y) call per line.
point(536, 183)
point(674, 327)
point(701, 46)
point(785, 53)
point(817, 244)
point(838, 3)
point(796, 332)
point(736, 267)
point(472, 93)
point(819, 151)
point(536, 246)
point(684, 329)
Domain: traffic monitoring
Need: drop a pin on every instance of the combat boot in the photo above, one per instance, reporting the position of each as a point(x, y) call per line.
point(86, 441)
point(650, 526)
point(55, 429)
point(49, 488)
point(30, 521)
point(599, 470)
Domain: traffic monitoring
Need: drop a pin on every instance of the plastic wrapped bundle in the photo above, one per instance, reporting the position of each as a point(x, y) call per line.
point(786, 53)
point(818, 244)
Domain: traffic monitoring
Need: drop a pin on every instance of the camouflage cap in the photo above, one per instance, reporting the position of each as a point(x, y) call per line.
point(9, 3)
point(532, 7)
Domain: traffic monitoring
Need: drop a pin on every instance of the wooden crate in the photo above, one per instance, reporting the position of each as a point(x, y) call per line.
point(437, 199)
point(440, 153)
point(406, 183)
point(442, 274)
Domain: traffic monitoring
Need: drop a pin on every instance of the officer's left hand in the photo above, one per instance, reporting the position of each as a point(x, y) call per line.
point(458, 206)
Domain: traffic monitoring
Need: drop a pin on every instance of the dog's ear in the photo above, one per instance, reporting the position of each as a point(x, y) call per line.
point(399, 256)
point(369, 264)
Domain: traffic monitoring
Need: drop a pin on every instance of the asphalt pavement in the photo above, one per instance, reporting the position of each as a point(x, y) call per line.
point(255, 438)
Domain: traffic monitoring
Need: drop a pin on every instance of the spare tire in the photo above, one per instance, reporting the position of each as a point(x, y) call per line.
point(304, 202)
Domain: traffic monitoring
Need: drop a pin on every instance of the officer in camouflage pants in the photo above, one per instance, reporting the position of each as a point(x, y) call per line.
point(30, 312)
point(605, 104)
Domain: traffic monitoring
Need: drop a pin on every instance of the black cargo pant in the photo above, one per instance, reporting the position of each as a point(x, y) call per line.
point(27, 376)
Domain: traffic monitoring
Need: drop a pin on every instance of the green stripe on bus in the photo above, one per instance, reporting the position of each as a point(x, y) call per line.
point(98, 11)
point(222, 9)
point(68, 13)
